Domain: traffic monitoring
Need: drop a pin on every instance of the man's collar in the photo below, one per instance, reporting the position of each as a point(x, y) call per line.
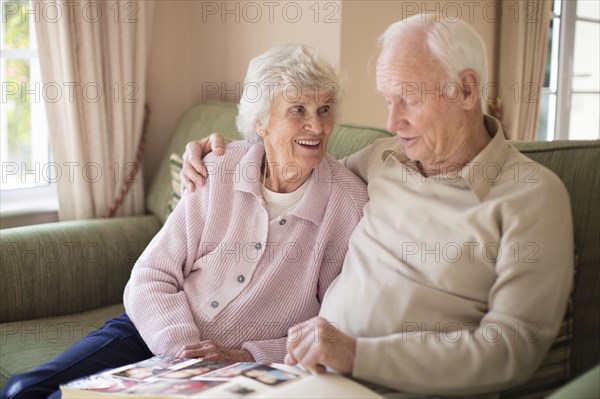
point(479, 174)
point(486, 168)
point(314, 201)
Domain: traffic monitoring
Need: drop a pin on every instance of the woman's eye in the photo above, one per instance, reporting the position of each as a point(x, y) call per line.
point(297, 109)
point(324, 109)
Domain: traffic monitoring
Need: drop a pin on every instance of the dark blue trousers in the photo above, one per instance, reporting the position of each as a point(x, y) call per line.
point(115, 344)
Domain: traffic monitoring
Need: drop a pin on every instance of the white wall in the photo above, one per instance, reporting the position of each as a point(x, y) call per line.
point(363, 23)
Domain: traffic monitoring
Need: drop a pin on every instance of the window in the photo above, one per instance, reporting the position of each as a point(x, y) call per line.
point(26, 195)
point(24, 148)
point(571, 95)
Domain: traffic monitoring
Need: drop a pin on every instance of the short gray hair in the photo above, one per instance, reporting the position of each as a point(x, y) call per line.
point(282, 67)
point(454, 43)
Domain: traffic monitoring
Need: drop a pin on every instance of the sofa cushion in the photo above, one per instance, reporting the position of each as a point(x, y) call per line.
point(199, 121)
point(33, 342)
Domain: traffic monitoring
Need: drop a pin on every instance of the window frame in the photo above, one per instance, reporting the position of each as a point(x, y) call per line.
point(564, 85)
point(26, 201)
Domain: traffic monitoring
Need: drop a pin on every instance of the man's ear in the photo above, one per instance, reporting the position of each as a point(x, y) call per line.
point(469, 84)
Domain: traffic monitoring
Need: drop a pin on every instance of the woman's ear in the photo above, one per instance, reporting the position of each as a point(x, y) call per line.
point(469, 84)
point(257, 127)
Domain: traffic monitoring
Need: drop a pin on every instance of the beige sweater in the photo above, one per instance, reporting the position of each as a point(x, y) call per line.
point(455, 284)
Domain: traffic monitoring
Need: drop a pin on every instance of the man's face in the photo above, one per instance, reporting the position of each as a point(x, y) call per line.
point(424, 107)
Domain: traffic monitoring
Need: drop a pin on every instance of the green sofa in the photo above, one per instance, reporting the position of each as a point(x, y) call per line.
point(61, 280)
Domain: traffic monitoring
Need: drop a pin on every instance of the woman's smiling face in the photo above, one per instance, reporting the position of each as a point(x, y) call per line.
point(298, 130)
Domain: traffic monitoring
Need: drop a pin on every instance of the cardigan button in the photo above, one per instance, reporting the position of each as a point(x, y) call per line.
point(214, 304)
point(282, 222)
point(258, 246)
point(241, 278)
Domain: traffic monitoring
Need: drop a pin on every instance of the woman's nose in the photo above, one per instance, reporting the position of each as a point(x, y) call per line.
point(313, 124)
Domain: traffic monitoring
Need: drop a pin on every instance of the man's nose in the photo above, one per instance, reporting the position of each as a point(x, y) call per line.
point(396, 118)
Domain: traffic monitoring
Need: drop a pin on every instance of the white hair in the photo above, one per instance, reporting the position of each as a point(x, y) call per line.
point(283, 67)
point(455, 44)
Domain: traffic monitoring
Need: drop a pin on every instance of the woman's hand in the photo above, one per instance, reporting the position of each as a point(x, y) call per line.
point(208, 350)
point(194, 172)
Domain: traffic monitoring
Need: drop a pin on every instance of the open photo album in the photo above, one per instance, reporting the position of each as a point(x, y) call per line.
point(169, 377)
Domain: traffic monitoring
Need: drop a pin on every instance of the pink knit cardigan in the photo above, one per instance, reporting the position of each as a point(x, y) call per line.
point(219, 270)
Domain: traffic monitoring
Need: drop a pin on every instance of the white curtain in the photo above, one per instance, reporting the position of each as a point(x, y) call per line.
point(93, 57)
point(523, 48)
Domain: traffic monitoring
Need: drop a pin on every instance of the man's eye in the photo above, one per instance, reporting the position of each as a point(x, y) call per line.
point(410, 100)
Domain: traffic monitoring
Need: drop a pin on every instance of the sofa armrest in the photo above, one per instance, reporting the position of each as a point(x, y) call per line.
point(584, 386)
point(61, 268)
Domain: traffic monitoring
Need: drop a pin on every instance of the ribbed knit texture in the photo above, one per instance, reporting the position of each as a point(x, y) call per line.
point(220, 271)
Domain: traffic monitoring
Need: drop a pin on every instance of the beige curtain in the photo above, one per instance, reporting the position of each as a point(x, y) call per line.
point(93, 57)
point(523, 47)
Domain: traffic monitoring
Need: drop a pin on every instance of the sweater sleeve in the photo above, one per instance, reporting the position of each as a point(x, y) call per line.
point(154, 298)
point(268, 351)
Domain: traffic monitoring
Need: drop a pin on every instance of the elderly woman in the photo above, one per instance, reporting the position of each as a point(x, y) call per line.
point(248, 255)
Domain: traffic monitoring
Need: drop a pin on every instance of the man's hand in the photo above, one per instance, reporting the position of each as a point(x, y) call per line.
point(317, 343)
point(208, 350)
point(194, 172)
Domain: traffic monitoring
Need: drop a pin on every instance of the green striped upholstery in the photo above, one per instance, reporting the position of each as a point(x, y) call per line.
point(63, 268)
point(175, 165)
point(32, 342)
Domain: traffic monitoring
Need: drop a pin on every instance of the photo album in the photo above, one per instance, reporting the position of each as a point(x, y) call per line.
point(170, 377)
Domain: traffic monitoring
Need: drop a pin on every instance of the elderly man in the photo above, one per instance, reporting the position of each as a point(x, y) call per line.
point(457, 278)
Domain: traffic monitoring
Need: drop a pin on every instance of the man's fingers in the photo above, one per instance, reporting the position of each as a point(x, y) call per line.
point(217, 143)
point(300, 349)
point(194, 172)
point(311, 359)
point(186, 184)
point(200, 167)
point(191, 178)
point(289, 359)
point(300, 336)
